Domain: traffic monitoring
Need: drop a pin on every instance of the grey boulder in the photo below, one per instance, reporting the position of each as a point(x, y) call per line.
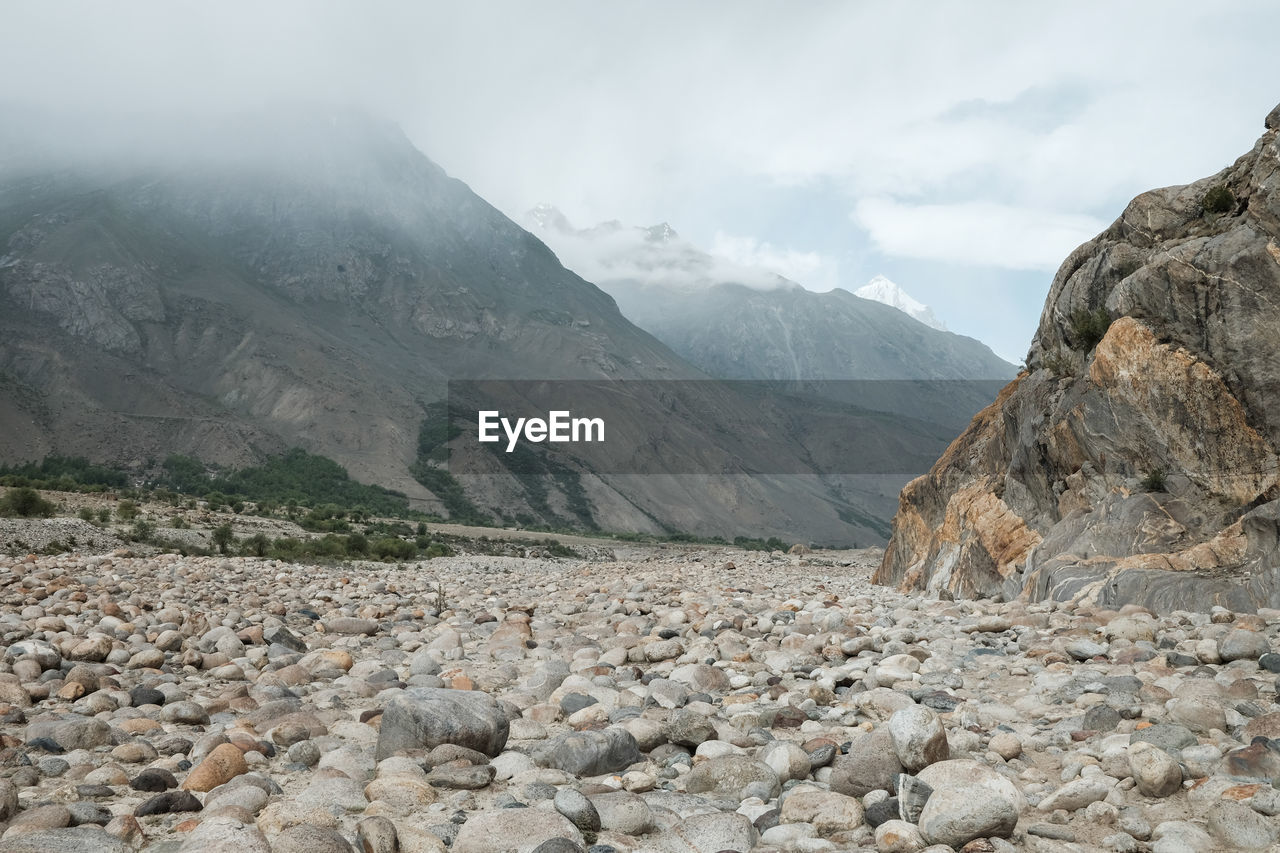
point(426, 717)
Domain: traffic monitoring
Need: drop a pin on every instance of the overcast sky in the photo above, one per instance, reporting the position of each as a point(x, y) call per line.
point(962, 149)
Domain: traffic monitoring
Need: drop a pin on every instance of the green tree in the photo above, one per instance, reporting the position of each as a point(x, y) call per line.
point(127, 510)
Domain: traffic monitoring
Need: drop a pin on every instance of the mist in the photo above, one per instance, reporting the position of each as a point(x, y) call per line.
point(955, 144)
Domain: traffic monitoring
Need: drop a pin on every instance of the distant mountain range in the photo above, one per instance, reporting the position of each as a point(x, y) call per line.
point(311, 279)
point(739, 322)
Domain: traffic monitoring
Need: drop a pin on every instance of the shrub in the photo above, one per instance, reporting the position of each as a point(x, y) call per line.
point(104, 514)
point(25, 502)
point(437, 549)
point(1218, 200)
point(143, 531)
point(1154, 481)
point(390, 548)
point(357, 545)
point(256, 545)
point(86, 514)
point(179, 523)
point(773, 543)
point(127, 510)
point(222, 537)
point(555, 549)
point(1089, 327)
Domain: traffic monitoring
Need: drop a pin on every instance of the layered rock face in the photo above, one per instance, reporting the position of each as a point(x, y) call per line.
point(1134, 460)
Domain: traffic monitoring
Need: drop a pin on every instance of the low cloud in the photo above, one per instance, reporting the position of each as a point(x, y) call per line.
point(975, 233)
point(613, 252)
point(808, 268)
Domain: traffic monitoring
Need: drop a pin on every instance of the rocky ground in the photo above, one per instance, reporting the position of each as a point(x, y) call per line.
point(675, 701)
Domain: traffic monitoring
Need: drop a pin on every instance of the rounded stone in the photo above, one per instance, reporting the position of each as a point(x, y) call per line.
point(918, 737)
point(1154, 770)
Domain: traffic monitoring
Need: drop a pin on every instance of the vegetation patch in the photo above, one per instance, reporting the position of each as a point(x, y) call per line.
point(64, 474)
point(1089, 327)
point(428, 468)
point(1218, 200)
point(297, 478)
point(25, 502)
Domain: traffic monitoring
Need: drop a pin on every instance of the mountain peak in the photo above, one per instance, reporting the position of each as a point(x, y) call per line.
point(881, 289)
point(660, 233)
point(547, 217)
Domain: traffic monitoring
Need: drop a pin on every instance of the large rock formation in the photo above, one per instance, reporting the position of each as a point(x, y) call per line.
point(1135, 458)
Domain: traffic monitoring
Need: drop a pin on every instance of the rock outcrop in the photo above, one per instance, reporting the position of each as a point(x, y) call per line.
point(1134, 460)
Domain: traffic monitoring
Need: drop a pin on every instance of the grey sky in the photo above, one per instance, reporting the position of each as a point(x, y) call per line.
point(961, 148)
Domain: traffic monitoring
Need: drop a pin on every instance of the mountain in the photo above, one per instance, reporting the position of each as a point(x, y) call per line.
point(738, 322)
point(228, 290)
point(1135, 460)
point(884, 291)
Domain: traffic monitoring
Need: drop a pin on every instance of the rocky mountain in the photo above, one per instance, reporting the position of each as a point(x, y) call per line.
point(1135, 460)
point(743, 323)
point(886, 292)
point(738, 322)
point(230, 290)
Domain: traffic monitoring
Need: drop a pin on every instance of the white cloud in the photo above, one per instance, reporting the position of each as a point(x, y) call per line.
point(975, 233)
point(808, 268)
point(988, 132)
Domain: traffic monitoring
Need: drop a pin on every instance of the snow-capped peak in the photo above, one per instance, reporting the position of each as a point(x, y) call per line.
point(661, 233)
point(881, 289)
point(547, 217)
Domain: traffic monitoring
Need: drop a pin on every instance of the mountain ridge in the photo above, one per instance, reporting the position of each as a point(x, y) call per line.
point(315, 281)
point(746, 323)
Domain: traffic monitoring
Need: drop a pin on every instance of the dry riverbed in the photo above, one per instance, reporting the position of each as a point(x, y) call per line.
point(672, 700)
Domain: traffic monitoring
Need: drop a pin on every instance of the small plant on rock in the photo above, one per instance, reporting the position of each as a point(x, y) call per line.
point(1154, 481)
point(1089, 327)
point(1218, 200)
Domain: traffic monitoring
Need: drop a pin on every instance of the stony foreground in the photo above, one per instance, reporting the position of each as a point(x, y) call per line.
point(675, 702)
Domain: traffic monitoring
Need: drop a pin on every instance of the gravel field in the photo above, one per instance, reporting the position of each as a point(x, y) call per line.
point(678, 701)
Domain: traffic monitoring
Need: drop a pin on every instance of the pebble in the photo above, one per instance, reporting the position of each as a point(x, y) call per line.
point(1156, 773)
point(918, 737)
point(255, 706)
